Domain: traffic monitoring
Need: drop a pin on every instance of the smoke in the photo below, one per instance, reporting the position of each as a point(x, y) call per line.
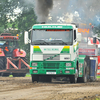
point(67, 11)
point(42, 9)
point(80, 11)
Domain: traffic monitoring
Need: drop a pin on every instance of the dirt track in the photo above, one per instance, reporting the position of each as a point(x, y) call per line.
point(21, 88)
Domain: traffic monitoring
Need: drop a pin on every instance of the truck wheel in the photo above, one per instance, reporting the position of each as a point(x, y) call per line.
point(84, 78)
point(35, 78)
point(73, 79)
point(45, 78)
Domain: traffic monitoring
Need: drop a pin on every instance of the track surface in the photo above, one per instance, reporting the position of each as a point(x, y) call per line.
point(21, 88)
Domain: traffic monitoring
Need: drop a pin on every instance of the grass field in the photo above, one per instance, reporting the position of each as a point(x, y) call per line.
point(98, 76)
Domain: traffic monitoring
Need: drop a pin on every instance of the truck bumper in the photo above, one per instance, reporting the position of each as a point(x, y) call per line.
point(53, 67)
point(52, 72)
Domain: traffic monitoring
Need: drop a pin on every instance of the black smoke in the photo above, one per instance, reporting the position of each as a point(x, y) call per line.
point(42, 8)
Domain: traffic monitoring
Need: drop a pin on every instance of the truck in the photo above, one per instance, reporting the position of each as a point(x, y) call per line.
point(54, 52)
point(13, 60)
point(98, 56)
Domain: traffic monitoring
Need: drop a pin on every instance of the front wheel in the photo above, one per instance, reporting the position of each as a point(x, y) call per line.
point(35, 78)
point(73, 79)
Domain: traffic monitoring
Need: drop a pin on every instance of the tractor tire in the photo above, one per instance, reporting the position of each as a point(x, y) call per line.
point(35, 78)
point(2, 67)
point(84, 78)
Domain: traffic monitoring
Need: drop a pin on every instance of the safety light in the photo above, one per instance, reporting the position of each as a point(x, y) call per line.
point(17, 35)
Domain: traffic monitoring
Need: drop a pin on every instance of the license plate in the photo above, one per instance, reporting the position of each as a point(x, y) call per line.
point(50, 72)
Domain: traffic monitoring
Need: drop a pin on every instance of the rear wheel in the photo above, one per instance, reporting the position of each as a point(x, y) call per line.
point(2, 67)
point(84, 78)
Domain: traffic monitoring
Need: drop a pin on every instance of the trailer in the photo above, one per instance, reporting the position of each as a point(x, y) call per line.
point(12, 58)
point(54, 52)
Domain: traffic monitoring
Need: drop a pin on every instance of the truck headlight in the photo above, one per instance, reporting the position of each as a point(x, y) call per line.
point(34, 64)
point(68, 64)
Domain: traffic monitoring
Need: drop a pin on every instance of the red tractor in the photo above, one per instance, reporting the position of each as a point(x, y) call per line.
point(12, 58)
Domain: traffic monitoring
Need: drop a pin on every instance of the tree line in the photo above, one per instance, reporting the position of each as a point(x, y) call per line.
point(16, 16)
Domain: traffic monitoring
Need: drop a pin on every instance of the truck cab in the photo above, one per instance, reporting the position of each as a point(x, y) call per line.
point(54, 51)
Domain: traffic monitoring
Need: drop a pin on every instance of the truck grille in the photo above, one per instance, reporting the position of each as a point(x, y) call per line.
point(51, 57)
point(51, 65)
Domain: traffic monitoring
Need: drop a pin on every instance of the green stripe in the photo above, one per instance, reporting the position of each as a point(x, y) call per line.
point(42, 26)
point(65, 50)
point(37, 50)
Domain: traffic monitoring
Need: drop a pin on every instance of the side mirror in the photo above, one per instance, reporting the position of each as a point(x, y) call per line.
point(79, 37)
point(26, 37)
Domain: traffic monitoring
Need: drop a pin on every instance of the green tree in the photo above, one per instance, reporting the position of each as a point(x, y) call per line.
point(13, 22)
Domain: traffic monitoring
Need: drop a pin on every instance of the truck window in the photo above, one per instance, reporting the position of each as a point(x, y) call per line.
point(74, 34)
point(52, 37)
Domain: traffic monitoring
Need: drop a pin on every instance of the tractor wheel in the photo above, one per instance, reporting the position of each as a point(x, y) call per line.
point(35, 78)
point(2, 67)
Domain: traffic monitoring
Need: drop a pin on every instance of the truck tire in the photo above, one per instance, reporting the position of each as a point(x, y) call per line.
point(45, 78)
point(35, 78)
point(73, 78)
point(84, 78)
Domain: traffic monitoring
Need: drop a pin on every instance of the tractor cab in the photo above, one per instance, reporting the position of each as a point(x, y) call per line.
point(8, 43)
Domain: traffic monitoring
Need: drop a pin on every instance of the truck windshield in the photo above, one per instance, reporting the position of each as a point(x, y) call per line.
point(52, 37)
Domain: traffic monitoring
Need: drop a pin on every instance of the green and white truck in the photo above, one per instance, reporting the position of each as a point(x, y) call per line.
point(54, 53)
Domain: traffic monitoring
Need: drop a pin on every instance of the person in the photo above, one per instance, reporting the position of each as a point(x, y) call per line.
point(6, 47)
